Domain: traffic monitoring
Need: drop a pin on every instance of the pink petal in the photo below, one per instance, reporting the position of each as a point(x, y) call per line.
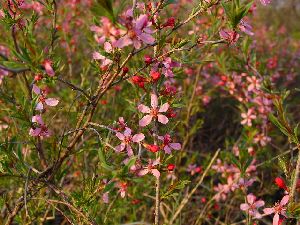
point(98, 56)
point(141, 21)
point(162, 119)
point(37, 119)
point(35, 132)
point(137, 44)
point(259, 203)
point(147, 38)
point(51, 101)
point(127, 132)
point(244, 207)
point(120, 136)
point(106, 62)
point(145, 120)
point(49, 69)
point(164, 107)
point(138, 137)
point(276, 219)
point(39, 106)
point(250, 198)
point(144, 109)
point(36, 89)
point(122, 42)
point(105, 198)
point(155, 172)
point(120, 147)
point(268, 211)
point(154, 101)
point(167, 149)
point(129, 150)
point(284, 200)
point(143, 172)
point(176, 146)
point(107, 47)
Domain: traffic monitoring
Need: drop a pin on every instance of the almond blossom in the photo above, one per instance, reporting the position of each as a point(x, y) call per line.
point(252, 206)
point(153, 112)
point(48, 67)
point(229, 35)
point(168, 145)
point(139, 31)
point(42, 98)
point(278, 209)
point(150, 168)
point(127, 139)
point(248, 117)
point(40, 129)
point(166, 65)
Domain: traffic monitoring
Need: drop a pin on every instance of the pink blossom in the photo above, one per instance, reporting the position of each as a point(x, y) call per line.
point(138, 32)
point(167, 64)
point(150, 168)
point(122, 188)
point(230, 36)
point(243, 183)
point(168, 145)
point(254, 83)
point(278, 209)
point(48, 67)
point(252, 206)
point(154, 112)
point(193, 169)
point(126, 139)
point(265, 2)
point(246, 28)
point(104, 61)
point(42, 99)
point(40, 129)
point(248, 117)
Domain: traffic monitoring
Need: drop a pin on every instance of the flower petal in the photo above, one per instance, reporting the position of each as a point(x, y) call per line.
point(145, 120)
point(144, 109)
point(155, 173)
point(36, 89)
point(51, 101)
point(268, 211)
point(244, 207)
point(176, 146)
point(120, 136)
point(154, 101)
point(162, 119)
point(143, 172)
point(138, 137)
point(284, 200)
point(120, 147)
point(164, 107)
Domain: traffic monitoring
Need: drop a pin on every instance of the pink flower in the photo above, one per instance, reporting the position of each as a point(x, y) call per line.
point(246, 28)
point(122, 188)
point(278, 209)
point(243, 183)
point(248, 117)
point(193, 169)
point(138, 32)
point(40, 129)
point(105, 198)
point(42, 99)
point(167, 65)
point(252, 205)
point(127, 139)
point(104, 61)
point(265, 2)
point(154, 112)
point(229, 35)
point(48, 67)
point(167, 145)
point(150, 168)
point(254, 83)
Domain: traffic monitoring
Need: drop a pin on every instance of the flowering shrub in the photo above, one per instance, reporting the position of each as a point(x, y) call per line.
point(148, 112)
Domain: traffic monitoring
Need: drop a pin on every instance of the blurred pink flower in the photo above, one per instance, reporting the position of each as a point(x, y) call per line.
point(278, 209)
point(252, 206)
point(42, 98)
point(248, 117)
point(154, 112)
point(168, 145)
point(265, 2)
point(40, 129)
point(127, 139)
point(139, 32)
point(48, 67)
point(150, 168)
point(229, 35)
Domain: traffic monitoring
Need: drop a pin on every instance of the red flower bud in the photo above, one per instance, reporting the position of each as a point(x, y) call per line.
point(198, 169)
point(148, 59)
point(170, 22)
point(125, 70)
point(38, 77)
point(155, 76)
point(152, 148)
point(280, 183)
point(203, 200)
point(171, 167)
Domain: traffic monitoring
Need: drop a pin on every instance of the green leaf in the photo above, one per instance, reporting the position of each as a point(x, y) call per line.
point(14, 66)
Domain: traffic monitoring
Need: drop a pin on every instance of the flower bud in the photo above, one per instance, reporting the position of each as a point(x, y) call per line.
point(171, 167)
point(280, 183)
